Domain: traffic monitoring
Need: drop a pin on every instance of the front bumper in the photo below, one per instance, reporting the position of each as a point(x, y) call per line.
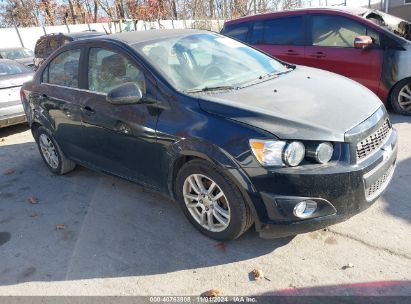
point(342, 190)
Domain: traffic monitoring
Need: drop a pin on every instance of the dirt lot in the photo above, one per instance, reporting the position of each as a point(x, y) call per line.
point(119, 239)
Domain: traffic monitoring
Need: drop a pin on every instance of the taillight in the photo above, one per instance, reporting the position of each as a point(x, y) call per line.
point(22, 95)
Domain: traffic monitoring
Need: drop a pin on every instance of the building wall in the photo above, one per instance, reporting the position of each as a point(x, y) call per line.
point(397, 8)
point(403, 12)
point(395, 3)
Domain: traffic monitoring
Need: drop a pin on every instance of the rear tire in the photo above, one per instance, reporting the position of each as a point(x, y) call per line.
point(211, 201)
point(400, 97)
point(51, 153)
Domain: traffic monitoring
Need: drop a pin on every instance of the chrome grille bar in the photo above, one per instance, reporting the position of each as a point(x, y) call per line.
point(372, 142)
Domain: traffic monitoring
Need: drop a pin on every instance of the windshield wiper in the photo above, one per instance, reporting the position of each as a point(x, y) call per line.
point(265, 77)
point(208, 89)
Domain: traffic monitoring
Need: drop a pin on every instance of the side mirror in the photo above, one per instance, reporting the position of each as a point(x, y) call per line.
point(363, 42)
point(127, 93)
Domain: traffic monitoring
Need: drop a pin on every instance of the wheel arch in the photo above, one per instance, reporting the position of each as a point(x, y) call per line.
point(185, 151)
point(390, 98)
point(34, 127)
point(397, 83)
point(39, 121)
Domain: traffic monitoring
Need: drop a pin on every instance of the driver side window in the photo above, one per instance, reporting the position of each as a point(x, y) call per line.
point(108, 69)
point(336, 31)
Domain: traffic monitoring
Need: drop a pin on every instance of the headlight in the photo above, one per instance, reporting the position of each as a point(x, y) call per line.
point(322, 152)
point(268, 152)
point(294, 153)
point(277, 153)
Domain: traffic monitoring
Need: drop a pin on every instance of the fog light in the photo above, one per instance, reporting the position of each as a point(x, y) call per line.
point(305, 209)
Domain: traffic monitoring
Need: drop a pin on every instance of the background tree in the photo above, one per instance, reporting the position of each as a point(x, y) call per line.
point(19, 13)
point(54, 12)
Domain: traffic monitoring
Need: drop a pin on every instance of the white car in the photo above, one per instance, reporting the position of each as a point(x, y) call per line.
point(12, 76)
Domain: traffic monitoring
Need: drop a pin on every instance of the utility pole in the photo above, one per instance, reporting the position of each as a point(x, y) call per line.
point(369, 3)
point(387, 6)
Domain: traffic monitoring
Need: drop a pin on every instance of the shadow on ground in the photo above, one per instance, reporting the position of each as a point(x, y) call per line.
point(7, 131)
point(112, 228)
point(397, 194)
point(363, 289)
point(396, 118)
point(398, 201)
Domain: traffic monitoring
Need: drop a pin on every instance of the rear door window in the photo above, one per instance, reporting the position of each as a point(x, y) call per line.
point(279, 31)
point(63, 69)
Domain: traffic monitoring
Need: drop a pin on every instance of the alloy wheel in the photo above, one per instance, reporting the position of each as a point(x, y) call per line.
point(404, 98)
point(48, 150)
point(206, 202)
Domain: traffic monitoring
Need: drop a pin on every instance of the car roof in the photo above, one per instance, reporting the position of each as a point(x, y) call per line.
point(149, 35)
point(354, 11)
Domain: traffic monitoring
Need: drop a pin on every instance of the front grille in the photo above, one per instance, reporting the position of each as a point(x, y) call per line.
point(377, 187)
point(374, 141)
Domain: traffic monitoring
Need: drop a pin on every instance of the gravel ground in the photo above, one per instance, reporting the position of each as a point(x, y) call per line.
point(120, 239)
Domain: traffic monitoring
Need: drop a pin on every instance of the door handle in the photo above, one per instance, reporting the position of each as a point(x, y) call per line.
point(88, 111)
point(318, 55)
point(291, 53)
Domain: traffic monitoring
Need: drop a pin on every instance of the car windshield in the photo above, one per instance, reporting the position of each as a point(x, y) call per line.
point(203, 62)
point(12, 68)
point(16, 53)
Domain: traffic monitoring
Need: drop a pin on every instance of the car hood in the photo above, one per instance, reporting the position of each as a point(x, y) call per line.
point(304, 104)
point(26, 61)
point(16, 80)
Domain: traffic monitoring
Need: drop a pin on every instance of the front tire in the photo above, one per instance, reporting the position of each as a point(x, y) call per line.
point(211, 201)
point(401, 97)
point(51, 153)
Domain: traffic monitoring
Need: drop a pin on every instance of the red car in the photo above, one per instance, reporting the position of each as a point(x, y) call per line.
point(365, 45)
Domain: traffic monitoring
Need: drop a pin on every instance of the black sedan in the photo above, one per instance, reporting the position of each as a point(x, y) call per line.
point(237, 137)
